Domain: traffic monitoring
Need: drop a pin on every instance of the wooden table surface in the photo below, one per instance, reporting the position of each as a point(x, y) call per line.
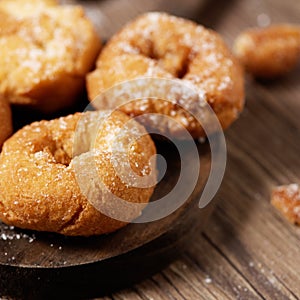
point(248, 250)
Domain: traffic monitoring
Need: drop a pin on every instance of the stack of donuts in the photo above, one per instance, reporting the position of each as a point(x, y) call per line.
point(44, 63)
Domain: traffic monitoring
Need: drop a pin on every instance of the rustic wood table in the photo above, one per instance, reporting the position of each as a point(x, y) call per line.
point(248, 250)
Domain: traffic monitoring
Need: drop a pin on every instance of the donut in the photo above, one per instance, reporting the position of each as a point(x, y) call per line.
point(164, 46)
point(40, 186)
point(5, 121)
point(269, 52)
point(45, 52)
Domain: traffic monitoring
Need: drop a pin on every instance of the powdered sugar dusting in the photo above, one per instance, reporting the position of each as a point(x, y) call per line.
point(291, 191)
point(8, 233)
point(286, 199)
point(163, 46)
point(41, 43)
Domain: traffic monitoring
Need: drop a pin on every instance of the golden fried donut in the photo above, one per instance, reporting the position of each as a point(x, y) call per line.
point(45, 52)
point(39, 189)
point(160, 45)
point(5, 121)
point(269, 52)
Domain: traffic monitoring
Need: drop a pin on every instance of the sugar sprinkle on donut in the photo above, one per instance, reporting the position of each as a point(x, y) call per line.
point(164, 46)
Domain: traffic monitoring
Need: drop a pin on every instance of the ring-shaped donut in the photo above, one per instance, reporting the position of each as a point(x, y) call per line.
point(39, 187)
point(160, 45)
point(46, 50)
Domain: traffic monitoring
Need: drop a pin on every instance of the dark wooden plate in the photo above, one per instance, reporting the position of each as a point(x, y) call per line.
point(43, 265)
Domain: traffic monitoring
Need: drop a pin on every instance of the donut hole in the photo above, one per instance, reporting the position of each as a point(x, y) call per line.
point(175, 63)
point(57, 153)
point(61, 157)
point(167, 55)
point(87, 129)
point(83, 144)
point(150, 51)
point(52, 149)
point(184, 70)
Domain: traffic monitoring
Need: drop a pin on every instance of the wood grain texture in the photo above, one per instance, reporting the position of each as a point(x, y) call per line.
point(248, 250)
point(53, 266)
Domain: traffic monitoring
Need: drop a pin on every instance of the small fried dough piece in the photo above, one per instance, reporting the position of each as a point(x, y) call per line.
point(286, 199)
point(269, 52)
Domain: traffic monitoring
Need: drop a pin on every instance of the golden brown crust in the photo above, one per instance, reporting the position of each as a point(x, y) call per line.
point(160, 45)
point(46, 51)
point(286, 199)
point(39, 188)
point(5, 121)
point(269, 52)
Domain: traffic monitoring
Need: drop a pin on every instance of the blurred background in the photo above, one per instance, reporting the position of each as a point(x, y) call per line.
point(110, 15)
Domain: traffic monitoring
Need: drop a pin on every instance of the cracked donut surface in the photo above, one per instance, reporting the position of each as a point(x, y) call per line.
point(44, 56)
point(164, 46)
point(39, 187)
